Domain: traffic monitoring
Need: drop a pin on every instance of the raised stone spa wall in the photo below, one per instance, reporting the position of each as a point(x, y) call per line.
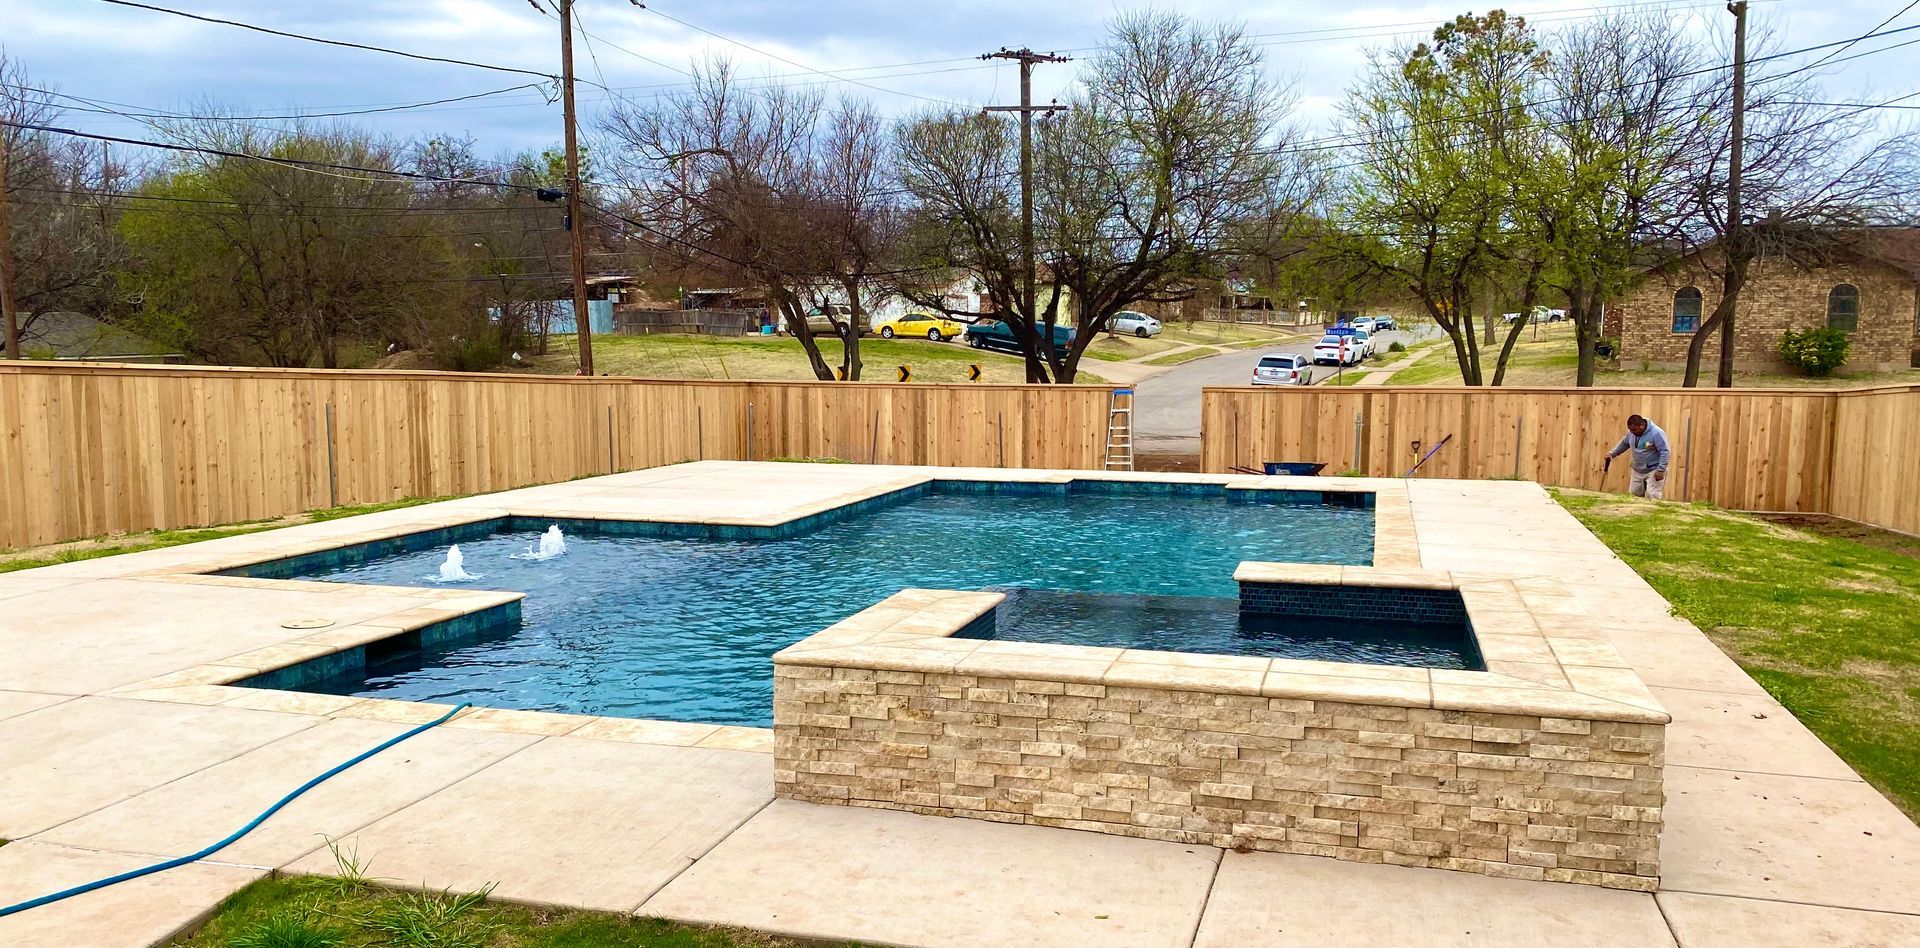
point(1510, 795)
point(1548, 765)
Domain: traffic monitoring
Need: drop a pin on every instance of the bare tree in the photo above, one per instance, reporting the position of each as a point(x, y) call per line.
point(736, 173)
point(1165, 162)
point(60, 218)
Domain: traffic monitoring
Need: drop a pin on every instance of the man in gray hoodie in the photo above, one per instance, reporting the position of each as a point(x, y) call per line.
point(1651, 456)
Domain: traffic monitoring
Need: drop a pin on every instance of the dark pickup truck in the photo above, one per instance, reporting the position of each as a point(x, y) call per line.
point(994, 334)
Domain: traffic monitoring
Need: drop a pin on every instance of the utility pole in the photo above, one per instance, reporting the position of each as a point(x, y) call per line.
point(576, 228)
point(1736, 230)
point(7, 313)
point(1026, 58)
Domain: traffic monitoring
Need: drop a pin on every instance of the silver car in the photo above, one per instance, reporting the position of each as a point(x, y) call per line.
point(1283, 370)
point(1128, 322)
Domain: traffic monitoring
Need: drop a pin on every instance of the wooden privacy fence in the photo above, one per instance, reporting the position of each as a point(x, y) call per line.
point(1839, 452)
point(92, 449)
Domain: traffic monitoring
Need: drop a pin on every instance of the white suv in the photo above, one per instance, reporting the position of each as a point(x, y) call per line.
point(1283, 370)
point(1134, 324)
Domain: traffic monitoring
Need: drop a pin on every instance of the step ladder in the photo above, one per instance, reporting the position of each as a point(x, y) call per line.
point(1120, 430)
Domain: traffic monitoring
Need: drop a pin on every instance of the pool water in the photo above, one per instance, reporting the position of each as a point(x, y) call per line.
point(684, 628)
point(1213, 626)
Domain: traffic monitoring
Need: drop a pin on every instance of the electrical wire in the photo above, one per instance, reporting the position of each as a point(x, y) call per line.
point(1902, 12)
point(328, 42)
point(103, 107)
point(799, 65)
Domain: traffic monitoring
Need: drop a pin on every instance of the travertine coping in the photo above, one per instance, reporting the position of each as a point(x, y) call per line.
point(211, 682)
point(1542, 658)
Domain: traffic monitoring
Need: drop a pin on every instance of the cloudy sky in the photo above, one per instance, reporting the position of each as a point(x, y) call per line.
point(904, 56)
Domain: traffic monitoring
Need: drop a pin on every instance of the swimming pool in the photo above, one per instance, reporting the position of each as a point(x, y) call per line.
point(679, 621)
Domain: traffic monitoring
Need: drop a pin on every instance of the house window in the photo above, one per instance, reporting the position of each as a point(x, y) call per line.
point(1843, 307)
point(1686, 309)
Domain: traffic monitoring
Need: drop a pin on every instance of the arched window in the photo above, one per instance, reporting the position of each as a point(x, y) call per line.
point(1686, 309)
point(1843, 307)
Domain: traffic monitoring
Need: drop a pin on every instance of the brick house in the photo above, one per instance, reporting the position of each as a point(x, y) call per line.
point(1873, 294)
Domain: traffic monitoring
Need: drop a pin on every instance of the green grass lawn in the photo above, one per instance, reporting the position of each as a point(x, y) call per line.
point(1184, 355)
point(779, 358)
point(314, 912)
point(155, 539)
point(1111, 348)
point(1212, 333)
point(1549, 358)
point(1826, 624)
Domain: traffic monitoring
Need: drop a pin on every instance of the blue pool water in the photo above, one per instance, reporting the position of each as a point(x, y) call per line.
point(683, 628)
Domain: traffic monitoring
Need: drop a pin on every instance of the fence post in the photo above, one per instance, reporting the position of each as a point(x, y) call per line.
point(748, 449)
point(333, 467)
point(700, 432)
point(1359, 432)
point(1519, 426)
point(873, 444)
point(1000, 425)
point(1686, 454)
point(611, 466)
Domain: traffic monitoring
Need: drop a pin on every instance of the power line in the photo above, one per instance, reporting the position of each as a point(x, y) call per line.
point(1877, 26)
point(799, 65)
point(102, 106)
point(329, 42)
point(297, 163)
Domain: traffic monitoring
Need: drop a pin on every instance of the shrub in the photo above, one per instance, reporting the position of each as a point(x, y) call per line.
point(1397, 347)
point(1817, 351)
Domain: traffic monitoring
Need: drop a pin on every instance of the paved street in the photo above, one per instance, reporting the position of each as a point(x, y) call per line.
point(1167, 416)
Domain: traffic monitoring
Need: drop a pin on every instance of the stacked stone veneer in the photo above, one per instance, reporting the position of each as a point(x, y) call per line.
point(1509, 795)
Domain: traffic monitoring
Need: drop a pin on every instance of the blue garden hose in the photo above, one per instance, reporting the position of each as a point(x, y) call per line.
point(242, 831)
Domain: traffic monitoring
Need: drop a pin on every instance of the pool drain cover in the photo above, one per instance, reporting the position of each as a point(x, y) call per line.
point(306, 623)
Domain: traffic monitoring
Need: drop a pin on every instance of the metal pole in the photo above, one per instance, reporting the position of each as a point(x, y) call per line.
point(333, 468)
point(575, 227)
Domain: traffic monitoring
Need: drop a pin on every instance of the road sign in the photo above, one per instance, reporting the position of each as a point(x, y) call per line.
point(973, 372)
point(906, 374)
point(842, 372)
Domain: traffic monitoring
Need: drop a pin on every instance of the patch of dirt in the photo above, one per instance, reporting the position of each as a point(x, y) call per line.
point(1884, 587)
point(1185, 463)
point(1881, 672)
point(1688, 571)
point(1848, 530)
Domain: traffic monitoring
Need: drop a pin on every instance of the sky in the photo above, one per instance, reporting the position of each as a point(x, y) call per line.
point(905, 56)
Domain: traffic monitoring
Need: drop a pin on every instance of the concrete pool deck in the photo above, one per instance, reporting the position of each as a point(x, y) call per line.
point(114, 750)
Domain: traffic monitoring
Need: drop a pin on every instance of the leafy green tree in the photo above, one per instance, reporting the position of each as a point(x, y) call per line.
point(1448, 147)
point(244, 261)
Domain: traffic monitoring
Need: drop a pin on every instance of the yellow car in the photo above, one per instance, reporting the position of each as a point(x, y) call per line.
point(932, 327)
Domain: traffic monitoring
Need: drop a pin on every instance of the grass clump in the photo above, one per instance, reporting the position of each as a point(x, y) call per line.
point(316, 912)
point(156, 539)
point(1825, 624)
